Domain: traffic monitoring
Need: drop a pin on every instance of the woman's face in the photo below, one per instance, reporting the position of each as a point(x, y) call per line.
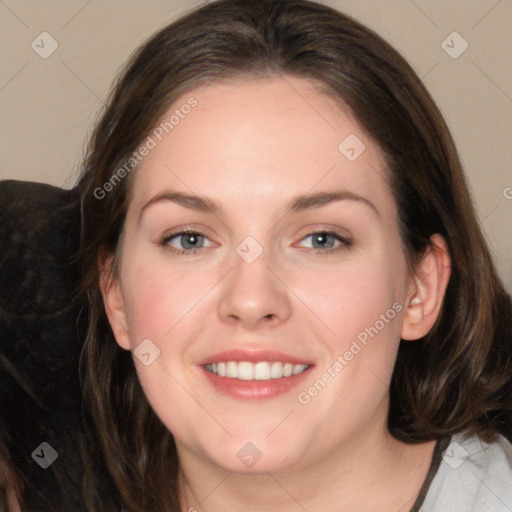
point(262, 295)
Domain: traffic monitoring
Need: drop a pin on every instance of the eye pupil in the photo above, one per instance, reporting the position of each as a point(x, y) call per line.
point(321, 237)
point(188, 237)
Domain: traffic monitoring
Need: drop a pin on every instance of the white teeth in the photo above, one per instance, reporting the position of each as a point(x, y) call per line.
point(262, 371)
point(231, 370)
point(245, 371)
point(259, 371)
point(276, 370)
point(298, 368)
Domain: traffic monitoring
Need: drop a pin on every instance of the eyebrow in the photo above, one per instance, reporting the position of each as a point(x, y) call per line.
point(298, 203)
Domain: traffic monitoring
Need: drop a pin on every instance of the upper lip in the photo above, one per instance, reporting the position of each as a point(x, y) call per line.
point(253, 356)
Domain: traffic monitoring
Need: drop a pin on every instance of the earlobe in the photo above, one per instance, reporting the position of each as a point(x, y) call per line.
point(427, 290)
point(112, 293)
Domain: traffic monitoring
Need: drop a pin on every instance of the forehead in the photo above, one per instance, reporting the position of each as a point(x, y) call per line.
point(276, 137)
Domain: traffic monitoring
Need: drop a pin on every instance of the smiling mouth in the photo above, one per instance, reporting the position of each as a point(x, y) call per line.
point(260, 371)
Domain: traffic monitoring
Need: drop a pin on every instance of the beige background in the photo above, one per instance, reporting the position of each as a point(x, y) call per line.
point(48, 106)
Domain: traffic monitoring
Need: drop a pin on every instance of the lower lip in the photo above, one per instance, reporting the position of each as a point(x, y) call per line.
point(255, 389)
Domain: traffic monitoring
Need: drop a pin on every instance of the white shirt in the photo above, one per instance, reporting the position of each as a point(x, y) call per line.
point(473, 476)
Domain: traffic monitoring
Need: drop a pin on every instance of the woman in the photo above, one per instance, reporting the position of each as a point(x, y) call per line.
point(228, 363)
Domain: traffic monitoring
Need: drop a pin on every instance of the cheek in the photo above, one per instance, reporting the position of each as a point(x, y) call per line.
point(158, 297)
point(163, 305)
point(350, 299)
point(342, 299)
point(360, 308)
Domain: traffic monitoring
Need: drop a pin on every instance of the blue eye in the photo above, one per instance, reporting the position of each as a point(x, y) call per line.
point(327, 239)
point(191, 241)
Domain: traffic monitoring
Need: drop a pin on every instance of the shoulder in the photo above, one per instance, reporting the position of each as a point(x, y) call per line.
point(473, 475)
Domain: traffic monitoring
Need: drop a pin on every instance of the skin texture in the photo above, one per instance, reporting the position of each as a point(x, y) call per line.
point(252, 146)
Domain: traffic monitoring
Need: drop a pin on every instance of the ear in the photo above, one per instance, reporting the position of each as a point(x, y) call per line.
point(112, 293)
point(426, 290)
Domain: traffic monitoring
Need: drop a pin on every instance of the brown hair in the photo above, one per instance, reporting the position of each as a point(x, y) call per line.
point(456, 378)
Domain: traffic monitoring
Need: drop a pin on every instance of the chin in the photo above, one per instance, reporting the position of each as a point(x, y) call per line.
point(254, 457)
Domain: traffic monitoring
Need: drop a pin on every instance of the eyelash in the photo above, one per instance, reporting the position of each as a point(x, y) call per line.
point(345, 243)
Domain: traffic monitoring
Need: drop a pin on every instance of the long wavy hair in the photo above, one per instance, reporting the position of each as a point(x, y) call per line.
point(457, 378)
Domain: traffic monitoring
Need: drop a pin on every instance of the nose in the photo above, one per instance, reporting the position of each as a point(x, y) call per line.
point(253, 294)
